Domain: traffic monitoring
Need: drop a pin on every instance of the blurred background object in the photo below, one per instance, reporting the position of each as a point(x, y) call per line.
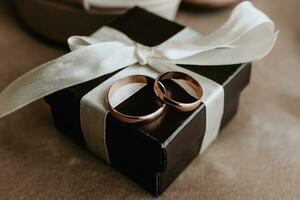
point(59, 19)
point(209, 4)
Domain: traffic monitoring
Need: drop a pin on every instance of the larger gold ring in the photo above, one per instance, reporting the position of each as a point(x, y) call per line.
point(159, 89)
point(131, 118)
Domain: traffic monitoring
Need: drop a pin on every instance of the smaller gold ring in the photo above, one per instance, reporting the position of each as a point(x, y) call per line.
point(132, 118)
point(159, 89)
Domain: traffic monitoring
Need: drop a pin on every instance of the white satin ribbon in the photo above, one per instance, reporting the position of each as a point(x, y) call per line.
point(164, 8)
point(247, 36)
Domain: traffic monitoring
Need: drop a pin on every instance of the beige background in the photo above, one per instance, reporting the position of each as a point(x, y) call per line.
point(257, 155)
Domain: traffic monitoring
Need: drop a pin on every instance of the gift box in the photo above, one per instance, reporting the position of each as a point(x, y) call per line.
point(151, 154)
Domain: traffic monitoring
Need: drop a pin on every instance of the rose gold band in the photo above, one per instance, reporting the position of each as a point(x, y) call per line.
point(185, 107)
point(131, 118)
point(160, 92)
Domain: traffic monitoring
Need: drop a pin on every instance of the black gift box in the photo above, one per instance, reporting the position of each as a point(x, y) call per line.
point(152, 154)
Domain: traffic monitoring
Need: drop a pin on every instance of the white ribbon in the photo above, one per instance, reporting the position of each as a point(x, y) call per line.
point(247, 36)
point(164, 8)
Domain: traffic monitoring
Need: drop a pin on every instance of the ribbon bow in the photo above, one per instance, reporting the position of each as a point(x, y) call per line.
point(247, 36)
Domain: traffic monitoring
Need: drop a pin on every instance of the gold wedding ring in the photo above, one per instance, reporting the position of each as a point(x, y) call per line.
point(131, 118)
point(160, 92)
point(159, 89)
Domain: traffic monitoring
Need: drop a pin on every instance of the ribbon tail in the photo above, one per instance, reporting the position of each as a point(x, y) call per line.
point(71, 69)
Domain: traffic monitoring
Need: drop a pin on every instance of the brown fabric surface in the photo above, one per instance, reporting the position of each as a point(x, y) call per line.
point(255, 157)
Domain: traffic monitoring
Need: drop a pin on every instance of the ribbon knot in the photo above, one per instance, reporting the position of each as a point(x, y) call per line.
point(143, 53)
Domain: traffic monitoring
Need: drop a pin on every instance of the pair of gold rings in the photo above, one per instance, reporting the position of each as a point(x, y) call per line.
point(160, 92)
